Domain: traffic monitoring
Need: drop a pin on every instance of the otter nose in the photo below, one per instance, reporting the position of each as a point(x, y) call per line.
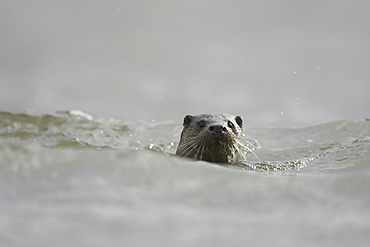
point(217, 128)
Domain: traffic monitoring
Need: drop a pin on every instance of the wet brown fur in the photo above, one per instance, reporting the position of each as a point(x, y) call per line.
point(212, 137)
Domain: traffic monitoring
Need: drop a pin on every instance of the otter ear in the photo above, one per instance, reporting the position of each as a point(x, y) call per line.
point(187, 120)
point(239, 121)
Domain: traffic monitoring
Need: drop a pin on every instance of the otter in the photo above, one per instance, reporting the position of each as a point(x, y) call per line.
point(216, 138)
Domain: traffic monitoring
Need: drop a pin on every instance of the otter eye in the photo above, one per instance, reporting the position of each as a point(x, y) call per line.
point(202, 124)
point(230, 124)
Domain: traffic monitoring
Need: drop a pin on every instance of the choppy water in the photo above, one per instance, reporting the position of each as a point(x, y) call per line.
point(70, 178)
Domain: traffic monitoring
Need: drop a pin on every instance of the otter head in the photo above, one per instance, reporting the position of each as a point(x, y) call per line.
point(212, 137)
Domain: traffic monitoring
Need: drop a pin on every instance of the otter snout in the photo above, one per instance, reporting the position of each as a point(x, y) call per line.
point(217, 128)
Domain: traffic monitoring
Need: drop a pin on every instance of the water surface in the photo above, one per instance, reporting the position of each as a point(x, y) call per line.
point(69, 177)
point(82, 178)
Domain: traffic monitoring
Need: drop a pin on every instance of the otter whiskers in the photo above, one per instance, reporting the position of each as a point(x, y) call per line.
point(248, 149)
point(214, 138)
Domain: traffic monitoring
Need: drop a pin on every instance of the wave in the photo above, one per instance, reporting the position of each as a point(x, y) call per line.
point(335, 147)
point(64, 129)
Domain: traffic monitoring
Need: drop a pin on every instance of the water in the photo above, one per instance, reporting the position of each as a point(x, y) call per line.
point(103, 175)
point(70, 178)
point(286, 63)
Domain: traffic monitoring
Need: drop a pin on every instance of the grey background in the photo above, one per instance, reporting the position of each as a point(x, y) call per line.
point(273, 62)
